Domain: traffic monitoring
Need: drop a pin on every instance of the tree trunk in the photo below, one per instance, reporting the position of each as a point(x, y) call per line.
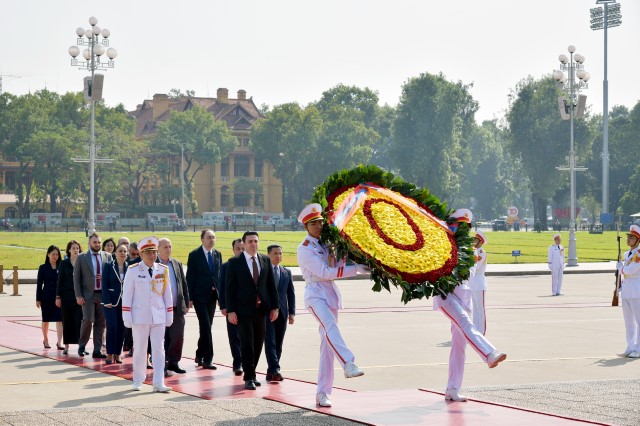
point(540, 211)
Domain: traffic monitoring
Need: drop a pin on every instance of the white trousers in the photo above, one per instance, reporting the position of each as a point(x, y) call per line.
point(141, 333)
point(462, 331)
point(556, 279)
point(332, 344)
point(631, 313)
point(479, 314)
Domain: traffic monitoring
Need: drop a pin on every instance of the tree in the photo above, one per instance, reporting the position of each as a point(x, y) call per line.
point(205, 141)
point(176, 94)
point(540, 139)
point(428, 147)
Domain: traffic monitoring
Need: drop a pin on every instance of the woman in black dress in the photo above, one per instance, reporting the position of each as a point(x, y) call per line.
point(66, 297)
point(112, 279)
point(46, 295)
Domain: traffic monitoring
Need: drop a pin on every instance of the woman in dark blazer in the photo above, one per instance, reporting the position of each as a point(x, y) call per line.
point(66, 297)
point(112, 279)
point(46, 295)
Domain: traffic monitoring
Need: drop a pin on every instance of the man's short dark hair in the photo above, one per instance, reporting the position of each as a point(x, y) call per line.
point(236, 241)
point(94, 235)
point(273, 246)
point(204, 231)
point(246, 234)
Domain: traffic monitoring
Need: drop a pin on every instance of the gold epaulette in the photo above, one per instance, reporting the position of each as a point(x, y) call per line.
point(133, 265)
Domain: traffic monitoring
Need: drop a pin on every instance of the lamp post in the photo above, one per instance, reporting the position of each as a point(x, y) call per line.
point(572, 101)
point(95, 40)
point(603, 18)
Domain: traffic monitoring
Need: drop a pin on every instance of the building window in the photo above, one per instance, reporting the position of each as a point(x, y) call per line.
point(10, 181)
point(241, 166)
point(257, 168)
point(224, 196)
point(224, 167)
point(11, 213)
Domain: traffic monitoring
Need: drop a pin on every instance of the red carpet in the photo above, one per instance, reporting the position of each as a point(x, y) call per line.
point(393, 407)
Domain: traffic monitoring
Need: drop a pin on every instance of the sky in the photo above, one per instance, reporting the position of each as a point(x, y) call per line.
point(283, 51)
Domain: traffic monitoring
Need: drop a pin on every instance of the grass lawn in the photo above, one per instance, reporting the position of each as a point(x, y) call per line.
point(27, 250)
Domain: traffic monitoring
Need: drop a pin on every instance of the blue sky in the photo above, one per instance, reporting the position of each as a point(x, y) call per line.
point(283, 50)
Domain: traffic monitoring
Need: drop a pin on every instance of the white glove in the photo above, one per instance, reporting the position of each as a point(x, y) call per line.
point(619, 265)
point(363, 269)
point(169, 324)
point(127, 324)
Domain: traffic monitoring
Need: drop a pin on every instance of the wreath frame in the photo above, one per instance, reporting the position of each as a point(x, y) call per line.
point(347, 178)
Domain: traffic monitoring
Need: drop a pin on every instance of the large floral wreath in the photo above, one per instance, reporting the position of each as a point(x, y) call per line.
point(402, 232)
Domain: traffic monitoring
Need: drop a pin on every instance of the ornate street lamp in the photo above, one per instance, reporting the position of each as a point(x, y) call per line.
point(96, 43)
point(572, 105)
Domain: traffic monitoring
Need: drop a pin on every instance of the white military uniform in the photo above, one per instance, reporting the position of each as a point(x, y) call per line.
point(147, 308)
point(555, 261)
point(478, 286)
point(323, 300)
point(457, 307)
point(630, 295)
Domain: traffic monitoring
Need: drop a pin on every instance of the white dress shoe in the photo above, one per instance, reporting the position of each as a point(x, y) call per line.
point(161, 388)
point(322, 400)
point(136, 386)
point(495, 358)
point(454, 395)
point(625, 353)
point(634, 354)
point(352, 370)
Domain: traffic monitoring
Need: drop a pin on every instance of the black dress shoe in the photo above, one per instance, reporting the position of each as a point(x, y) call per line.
point(209, 367)
point(257, 383)
point(237, 371)
point(250, 385)
point(269, 377)
point(175, 368)
point(276, 377)
point(81, 351)
point(98, 355)
point(198, 361)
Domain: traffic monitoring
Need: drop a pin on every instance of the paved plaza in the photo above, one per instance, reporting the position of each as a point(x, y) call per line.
point(561, 359)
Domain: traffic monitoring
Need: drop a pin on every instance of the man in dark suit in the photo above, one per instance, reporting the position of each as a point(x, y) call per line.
point(250, 295)
point(287, 301)
point(232, 329)
point(203, 280)
point(174, 335)
point(87, 284)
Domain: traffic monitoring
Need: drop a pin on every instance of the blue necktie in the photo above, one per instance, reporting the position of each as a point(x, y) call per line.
point(210, 261)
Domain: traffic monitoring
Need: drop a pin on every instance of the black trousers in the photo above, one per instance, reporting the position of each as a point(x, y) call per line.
point(273, 342)
point(71, 320)
point(205, 310)
point(174, 338)
point(252, 329)
point(234, 344)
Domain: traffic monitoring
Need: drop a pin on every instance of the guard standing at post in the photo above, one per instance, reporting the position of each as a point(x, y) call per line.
point(630, 293)
point(478, 283)
point(556, 265)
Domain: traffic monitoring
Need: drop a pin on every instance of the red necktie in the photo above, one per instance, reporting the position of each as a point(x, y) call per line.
point(98, 283)
point(256, 275)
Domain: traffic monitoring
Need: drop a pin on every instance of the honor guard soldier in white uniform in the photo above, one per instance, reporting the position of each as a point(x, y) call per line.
point(147, 308)
point(478, 283)
point(556, 265)
point(457, 307)
point(322, 299)
point(630, 292)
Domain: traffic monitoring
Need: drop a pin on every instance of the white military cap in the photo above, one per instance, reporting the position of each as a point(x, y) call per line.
point(148, 243)
point(462, 215)
point(635, 231)
point(556, 235)
point(310, 213)
point(481, 237)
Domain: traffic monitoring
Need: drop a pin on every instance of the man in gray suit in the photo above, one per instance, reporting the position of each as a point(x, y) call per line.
point(275, 331)
point(87, 283)
point(174, 335)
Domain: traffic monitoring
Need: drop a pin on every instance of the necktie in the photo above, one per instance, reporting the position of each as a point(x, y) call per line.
point(150, 272)
point(98, 280)
point(276, 274)
point(210, 261)
point(256, 274)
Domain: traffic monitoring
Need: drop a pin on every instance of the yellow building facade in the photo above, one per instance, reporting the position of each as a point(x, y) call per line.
point(214, 184)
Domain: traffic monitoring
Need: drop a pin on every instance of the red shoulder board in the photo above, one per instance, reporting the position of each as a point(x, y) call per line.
point(306, 243)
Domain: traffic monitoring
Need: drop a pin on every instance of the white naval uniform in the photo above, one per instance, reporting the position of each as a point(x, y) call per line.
point(457, 307)
point(148, 314)
point(323, 300)
point(630, 295)
point(555, 261)
point(478, 286)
